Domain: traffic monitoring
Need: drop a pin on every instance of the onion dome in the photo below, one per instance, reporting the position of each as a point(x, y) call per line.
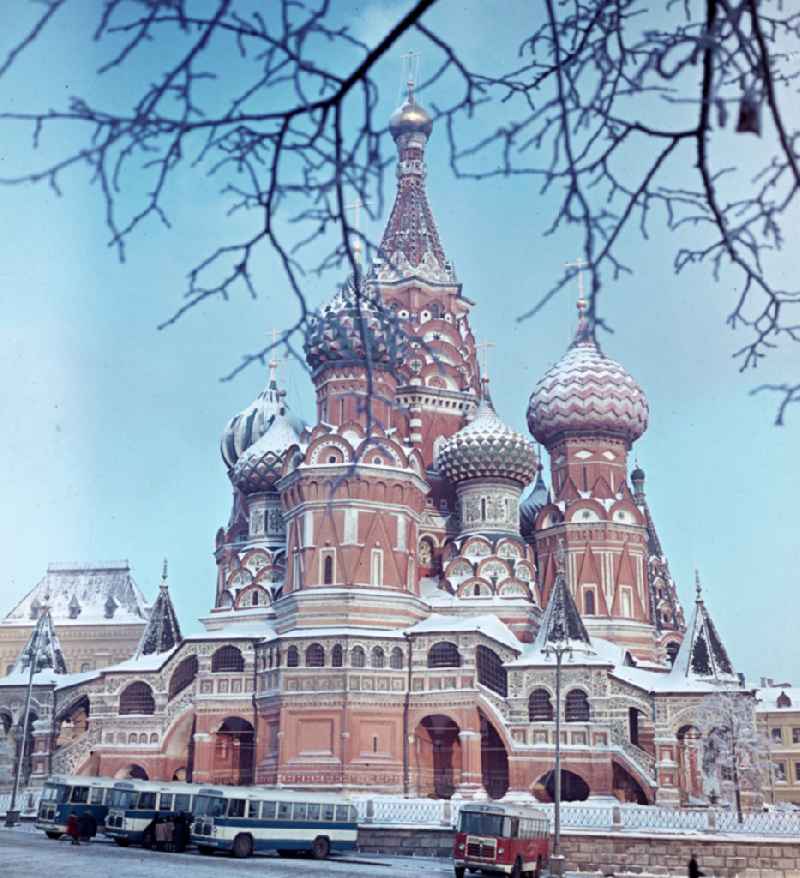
point(410, 118)
point(532, 503)
point(354, 327)
point(487, 448)
point(587, 392)
point(259, 467)
point(250, 425)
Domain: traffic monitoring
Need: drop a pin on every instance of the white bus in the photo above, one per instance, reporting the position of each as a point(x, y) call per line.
point(85, 797)
point(136, 808)
point(247, 819)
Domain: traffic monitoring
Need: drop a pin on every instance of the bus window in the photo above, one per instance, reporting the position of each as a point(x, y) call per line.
point(353, 814)
point(252, 809)
point(327, 812)
point(96, 795)
point(511, 827)
point(165, 804)
point(183, 802)
point(313, 812)
point(147, 802)
point(80, 795)
point(300, 811)
point(121, 798)
point(474, 823)
point(209, 806)
point(284, 810)
point(236, 808)
point(268, 810)
point(342, 814)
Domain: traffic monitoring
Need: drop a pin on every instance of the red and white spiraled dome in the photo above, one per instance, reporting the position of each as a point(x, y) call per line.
point(587, 392)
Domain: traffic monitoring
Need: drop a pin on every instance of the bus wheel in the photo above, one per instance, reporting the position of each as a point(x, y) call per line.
point(516, 872)
point(54, 835)
point(205, 850)
point(242, 847)
point(320, 848)
point(122, 842)
point(148, 839)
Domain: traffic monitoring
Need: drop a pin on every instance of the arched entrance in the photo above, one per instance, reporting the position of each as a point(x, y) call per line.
point(437, 756)
point(573, 787)
point(234, 749)
point(627, 788)
point(131, 772)
point(72, 722)
point(494, 761)
point(690, 779)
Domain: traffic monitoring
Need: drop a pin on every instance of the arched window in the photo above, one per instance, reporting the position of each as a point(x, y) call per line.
point(137, 699)
point(227, 658)
point(576, 706)
point(378, 657)
point(672, 651)
point(540, 708)
point(396, 659)
point(491, 672)
point(358, 658)
point(337, 656)
point(183, 676)
point(327, 569)
point(292, 657)
point(588, 602)
point(315, 656)
point(444, 655)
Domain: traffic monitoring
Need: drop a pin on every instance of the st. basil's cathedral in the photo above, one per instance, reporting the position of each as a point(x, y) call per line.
point(393, 579)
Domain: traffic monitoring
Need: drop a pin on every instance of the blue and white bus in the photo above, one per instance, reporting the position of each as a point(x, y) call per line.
point(243, 820)
point(85, 797)
point(136, 808)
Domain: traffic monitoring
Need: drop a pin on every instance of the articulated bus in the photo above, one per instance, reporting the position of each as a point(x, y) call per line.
point(136, 808)
point(247, 819)
point(502, 839)
point(85, 797)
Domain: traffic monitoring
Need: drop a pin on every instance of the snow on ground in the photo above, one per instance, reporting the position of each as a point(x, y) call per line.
point(25, 854)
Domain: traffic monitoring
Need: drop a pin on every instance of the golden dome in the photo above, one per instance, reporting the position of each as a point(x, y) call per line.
point(410, 118)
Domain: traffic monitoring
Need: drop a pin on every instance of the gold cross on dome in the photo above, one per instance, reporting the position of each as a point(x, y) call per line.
point(483, 357)
point(579, 264)
point(356, 208)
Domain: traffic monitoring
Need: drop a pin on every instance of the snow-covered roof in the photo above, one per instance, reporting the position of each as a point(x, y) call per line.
point(489, 625)
point(768, 699)
point(48, 677)
point(100, 594)
point(154, 661)
point(162, 632)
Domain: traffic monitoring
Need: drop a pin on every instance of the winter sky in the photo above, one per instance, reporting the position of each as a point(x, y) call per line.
point(111, 427)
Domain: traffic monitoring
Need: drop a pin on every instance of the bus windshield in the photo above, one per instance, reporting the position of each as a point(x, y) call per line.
point(210, 806)
point(122, 798)
point(55, 793)
point(481, 824)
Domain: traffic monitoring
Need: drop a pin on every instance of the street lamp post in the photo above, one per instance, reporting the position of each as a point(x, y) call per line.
point(12, 815)
point(557, 649)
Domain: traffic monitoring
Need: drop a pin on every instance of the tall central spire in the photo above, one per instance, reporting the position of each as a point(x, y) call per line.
point(411, 246)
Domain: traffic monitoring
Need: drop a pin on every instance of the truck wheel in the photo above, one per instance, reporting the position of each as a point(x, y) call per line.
point(242, 846)
point(320, 848)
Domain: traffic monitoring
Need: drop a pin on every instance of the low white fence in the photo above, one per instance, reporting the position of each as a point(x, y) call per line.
point(27, 802)
point(390, 811)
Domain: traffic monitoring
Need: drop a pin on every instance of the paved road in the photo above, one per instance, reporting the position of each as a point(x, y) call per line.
point(29, 854)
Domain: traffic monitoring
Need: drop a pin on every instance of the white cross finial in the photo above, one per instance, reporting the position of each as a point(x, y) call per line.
point(411, 67)
point(356, 208)
point(579, 264)
point(273, 360)
point(483, 357)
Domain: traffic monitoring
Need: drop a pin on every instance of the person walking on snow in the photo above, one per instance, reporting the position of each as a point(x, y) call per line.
point(72, 829)
point(694, 869)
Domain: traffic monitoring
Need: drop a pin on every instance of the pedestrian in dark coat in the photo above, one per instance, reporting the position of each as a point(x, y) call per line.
point(694, 869)
point(73, 831)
